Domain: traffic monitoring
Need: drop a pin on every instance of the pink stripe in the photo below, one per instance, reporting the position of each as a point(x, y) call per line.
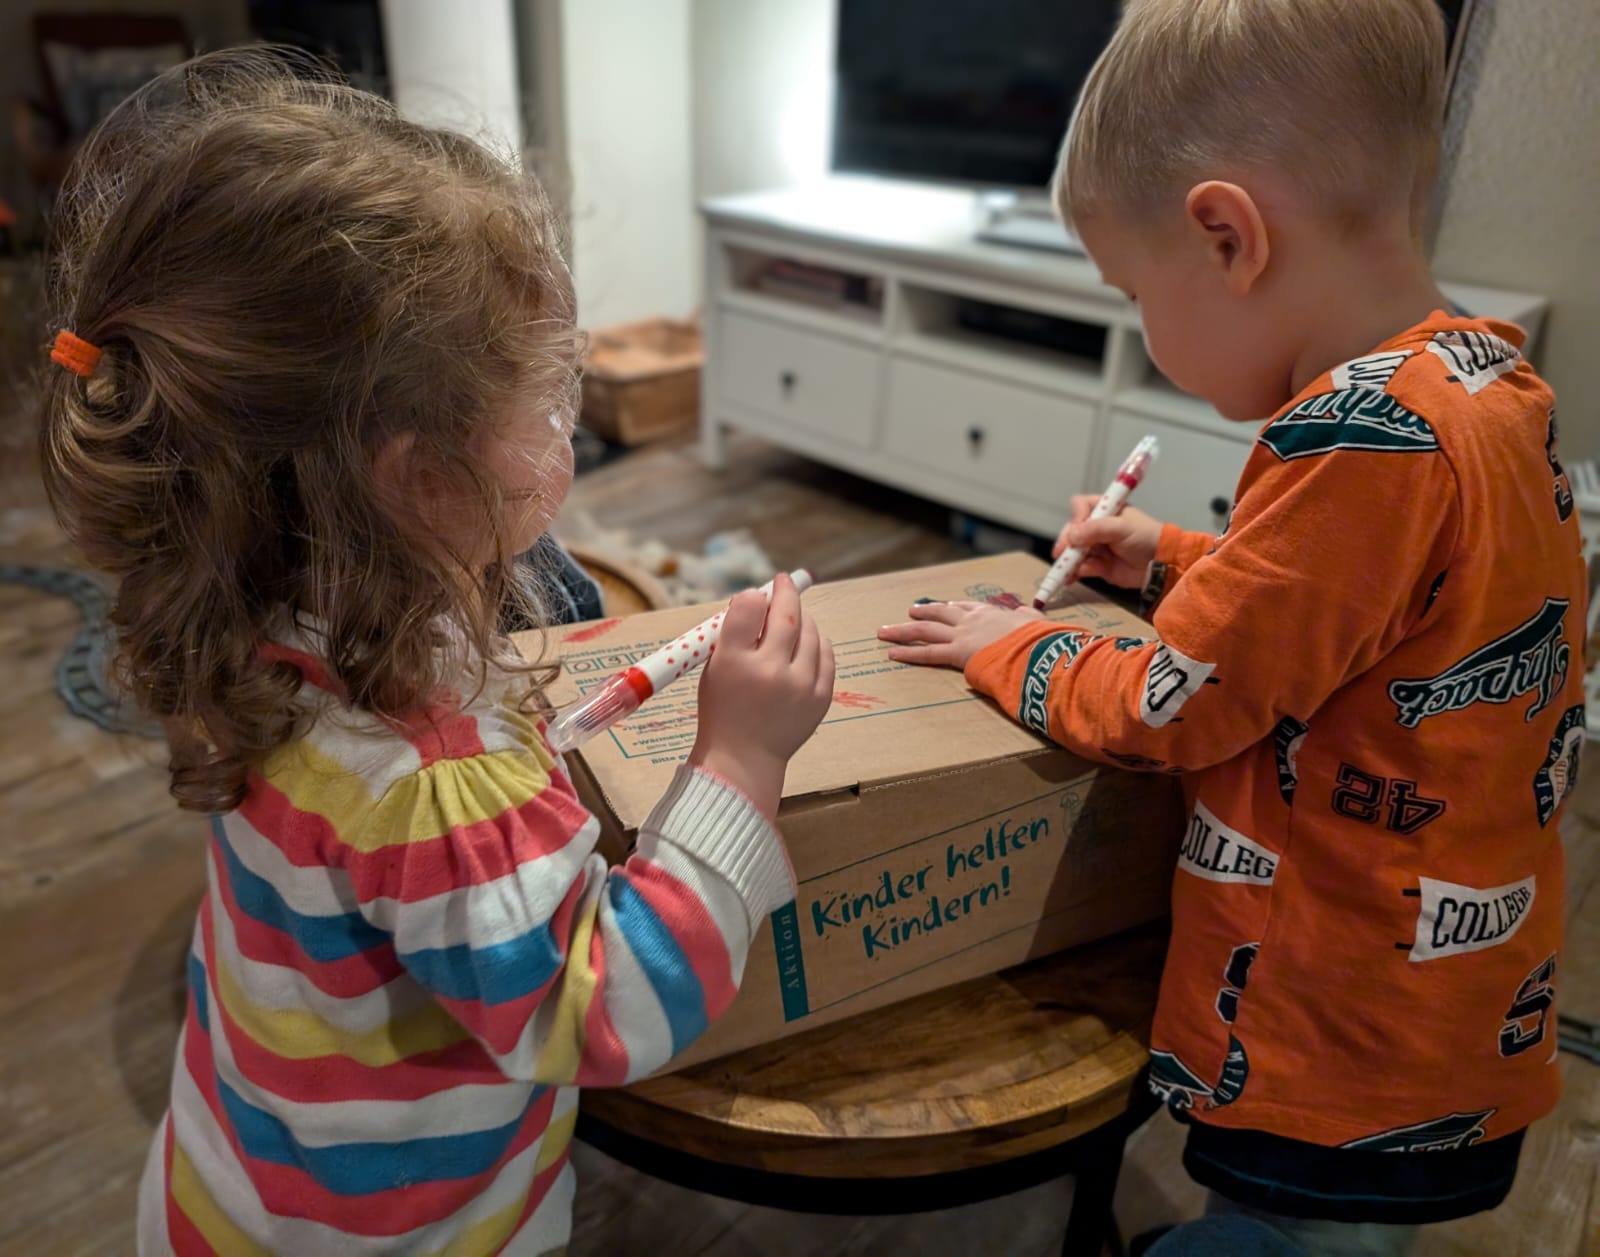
point(314, 670)
point(442, 731)
point(466, 855)
point(354, 975)
point(501, 1025)
point(182, 1234)
point(686, 915)
point(537, 1191)
point(605, 1056)
point(309, 1080)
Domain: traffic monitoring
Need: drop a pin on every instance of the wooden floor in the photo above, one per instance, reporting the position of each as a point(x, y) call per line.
point(100, 874)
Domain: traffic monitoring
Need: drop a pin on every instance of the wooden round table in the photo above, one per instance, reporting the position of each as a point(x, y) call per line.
point(960, 1095)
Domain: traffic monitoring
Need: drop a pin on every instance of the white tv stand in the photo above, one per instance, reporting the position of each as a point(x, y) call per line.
point(897, 390)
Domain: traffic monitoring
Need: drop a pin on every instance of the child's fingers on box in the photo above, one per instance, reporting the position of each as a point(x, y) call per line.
point(931, 631)
point(935, 655)
point(938, 612)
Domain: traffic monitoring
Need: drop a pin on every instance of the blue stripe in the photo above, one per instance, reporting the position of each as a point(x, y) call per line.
point(197, 991)
point(671, 976)
point(494, 974)
point(323, 938)
point(357, 1169)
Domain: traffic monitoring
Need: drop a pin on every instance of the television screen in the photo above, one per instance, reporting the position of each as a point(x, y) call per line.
point(972, 91)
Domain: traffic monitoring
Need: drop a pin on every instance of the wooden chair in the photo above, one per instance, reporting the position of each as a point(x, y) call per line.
point(961, 1095)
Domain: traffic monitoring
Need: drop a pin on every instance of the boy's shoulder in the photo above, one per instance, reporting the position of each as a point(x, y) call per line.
point(1437, 385)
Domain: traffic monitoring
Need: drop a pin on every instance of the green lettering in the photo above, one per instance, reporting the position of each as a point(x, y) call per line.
point(872, 939)
point(819, 915)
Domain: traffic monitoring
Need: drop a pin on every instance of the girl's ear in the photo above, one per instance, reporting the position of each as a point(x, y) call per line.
point(394, 471)
point(1229, 225)
point(416, 497)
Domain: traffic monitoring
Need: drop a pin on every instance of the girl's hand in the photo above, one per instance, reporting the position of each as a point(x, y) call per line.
point(763, 692)
point(947, 634)
point(1120, 547)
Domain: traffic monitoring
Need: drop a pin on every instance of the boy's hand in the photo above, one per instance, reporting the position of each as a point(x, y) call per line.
point(947, 634)
point(1121, 547)
point(763, 692)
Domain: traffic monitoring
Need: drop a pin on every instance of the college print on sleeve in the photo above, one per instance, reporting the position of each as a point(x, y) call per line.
point(1528, 1015)
point(1220, 853)
point(1458, 1130)
point(1058, 648)
point(1531, 657)
point(1559, 772)
point(1475, 359)
point(1170, 681)
point(1453, 919)
point(1563, 486)
point(1286, 741)
point(1373, 371)
point(1349, 419)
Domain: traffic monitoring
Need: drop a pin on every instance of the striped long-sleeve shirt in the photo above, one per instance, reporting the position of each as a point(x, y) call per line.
point(408, 957)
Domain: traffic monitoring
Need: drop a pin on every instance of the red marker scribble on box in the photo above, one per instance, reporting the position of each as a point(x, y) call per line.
point(594, 630)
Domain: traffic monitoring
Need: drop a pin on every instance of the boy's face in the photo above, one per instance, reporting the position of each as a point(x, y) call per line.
point(1205, 338)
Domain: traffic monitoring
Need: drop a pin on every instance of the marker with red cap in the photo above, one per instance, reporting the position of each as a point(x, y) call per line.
point(1111, 503)
point(623, 694)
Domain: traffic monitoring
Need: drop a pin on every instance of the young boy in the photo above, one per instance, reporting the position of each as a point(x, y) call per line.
point(1372, 679)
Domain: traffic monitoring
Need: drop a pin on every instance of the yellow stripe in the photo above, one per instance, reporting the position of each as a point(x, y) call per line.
point(424, 805)
point(486, 1236)
point(555, 1139)
point(299, 1034)
point(563, 1044)
point(190, 1195)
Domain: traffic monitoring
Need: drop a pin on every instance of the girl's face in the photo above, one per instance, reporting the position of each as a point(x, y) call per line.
point(530, 454)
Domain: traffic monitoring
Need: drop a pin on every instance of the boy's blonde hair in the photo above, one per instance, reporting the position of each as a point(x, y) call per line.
point(1345, 96)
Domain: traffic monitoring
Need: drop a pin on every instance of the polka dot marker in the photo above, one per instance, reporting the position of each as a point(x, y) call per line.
point(622, 694)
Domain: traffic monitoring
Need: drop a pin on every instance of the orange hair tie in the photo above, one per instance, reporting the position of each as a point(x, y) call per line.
point(75, 354)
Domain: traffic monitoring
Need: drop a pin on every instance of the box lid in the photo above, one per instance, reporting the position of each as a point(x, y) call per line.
point(889, 722)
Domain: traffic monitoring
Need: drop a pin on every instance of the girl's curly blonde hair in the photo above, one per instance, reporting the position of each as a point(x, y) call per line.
point(284, 276)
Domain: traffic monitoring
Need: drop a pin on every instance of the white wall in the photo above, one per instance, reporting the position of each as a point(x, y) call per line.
point(455, 66)
point(763, 72)
point(1522, 184)
point(625, 73)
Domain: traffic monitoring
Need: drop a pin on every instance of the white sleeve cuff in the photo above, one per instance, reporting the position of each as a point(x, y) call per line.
point(709, 819)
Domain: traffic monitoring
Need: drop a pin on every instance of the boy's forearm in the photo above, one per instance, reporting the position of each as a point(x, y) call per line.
point(1176, 552)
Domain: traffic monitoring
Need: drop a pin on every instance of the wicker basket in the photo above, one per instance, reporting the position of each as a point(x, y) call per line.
point(641, 381)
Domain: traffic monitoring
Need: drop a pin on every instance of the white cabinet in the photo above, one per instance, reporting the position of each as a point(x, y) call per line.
point(861, 323)
point(808, 380)
point(1192, 483)
point(1016, 441)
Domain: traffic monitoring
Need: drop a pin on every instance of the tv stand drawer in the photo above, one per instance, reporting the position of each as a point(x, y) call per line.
point(1014, 440)
point(811, 380)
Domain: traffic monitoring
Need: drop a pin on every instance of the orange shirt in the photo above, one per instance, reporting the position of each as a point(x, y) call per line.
point(1375, 679)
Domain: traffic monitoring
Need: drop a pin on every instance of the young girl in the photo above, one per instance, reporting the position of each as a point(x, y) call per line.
point(315, 390)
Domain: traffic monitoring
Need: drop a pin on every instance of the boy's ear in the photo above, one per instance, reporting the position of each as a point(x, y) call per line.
point(1229, 222)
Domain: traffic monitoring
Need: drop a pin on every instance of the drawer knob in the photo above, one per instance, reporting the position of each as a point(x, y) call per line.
point(786, 381)
point(975, 438)
point(1219, 506)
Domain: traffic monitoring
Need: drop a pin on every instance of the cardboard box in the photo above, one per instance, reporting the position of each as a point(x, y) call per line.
point(933, 838)
point(641, 381)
